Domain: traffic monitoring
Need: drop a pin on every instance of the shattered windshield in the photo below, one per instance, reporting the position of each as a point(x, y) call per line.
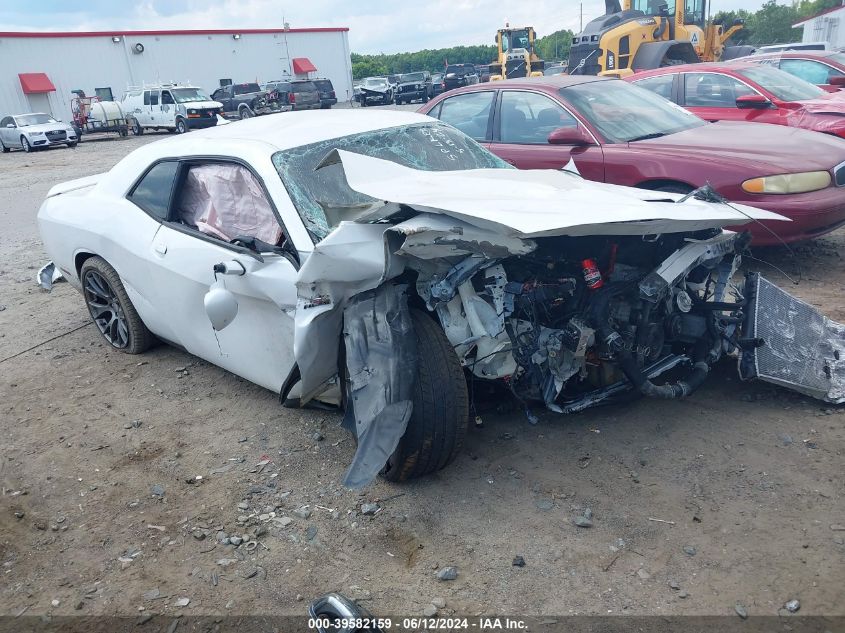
point(324, 199)
point(624, 113)
point(189, 95)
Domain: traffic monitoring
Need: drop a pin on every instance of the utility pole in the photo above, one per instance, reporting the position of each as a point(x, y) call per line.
point(582, 18)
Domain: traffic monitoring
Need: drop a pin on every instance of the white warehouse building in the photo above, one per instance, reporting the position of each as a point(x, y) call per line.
point(39, 71)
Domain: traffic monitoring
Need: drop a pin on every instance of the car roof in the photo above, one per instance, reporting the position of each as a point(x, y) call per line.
point(728, 67)
point(551, 83)
point(793, 53)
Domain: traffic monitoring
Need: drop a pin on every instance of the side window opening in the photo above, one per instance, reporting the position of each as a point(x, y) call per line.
point(146, 97)
point(225, 201)
point(468, 112)
point(661, 85)
point(710, 90)
point(529, 118)
point(153, 191)
point(154, 98)
point(166, 97)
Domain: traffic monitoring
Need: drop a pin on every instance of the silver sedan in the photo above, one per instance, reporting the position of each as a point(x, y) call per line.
point(31, 131)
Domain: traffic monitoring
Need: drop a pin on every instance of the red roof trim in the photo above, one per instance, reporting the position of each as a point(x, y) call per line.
point(36, 83)
point(303, 65)
point(817, 15)
point(339, 29)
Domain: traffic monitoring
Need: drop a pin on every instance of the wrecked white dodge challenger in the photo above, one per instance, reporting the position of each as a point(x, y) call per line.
point(390, 255)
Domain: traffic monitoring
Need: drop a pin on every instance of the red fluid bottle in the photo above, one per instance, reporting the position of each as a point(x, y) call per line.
point(592, 274)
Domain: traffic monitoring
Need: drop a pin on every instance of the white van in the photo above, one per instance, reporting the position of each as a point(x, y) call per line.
point(169, 107)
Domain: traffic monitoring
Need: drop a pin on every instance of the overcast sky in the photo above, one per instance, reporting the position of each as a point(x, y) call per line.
point(375, 25)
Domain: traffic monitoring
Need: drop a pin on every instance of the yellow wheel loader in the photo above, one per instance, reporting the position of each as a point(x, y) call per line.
point(644, 34)
point(516, 57)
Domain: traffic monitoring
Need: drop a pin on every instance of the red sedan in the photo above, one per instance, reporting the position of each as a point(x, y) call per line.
point(747, 92)
point(825, 69)
point(618, 133)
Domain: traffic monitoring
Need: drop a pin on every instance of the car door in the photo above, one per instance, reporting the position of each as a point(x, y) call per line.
point(470, 112)
point(712, 96)
point(522, 125)
point(168, 109)
point(215, 201)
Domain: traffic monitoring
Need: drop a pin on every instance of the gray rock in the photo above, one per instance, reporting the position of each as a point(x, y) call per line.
point(683, 595)
point(544, 504)
point(303, 512)
point(741, 611)
point(152, 594)
point(837, 527)
point(157, 490)
point(198, 534)
point(317, 437)
point(588, 513)
point(689, 550)
point(235, 540)
point(243, 505)
point(582, 522)
point(786, 439)
point(438, 602)
point(430, 611)
point(673, 584)
point(518, 561)
point(792, 606)
point(643, 574)
point(285, 521)
point(369, 508)
point(222, 537)
point(311, 532)
point(447, 573)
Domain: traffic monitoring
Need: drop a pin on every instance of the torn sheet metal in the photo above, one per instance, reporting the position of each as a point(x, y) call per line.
point(381, 360)
point(804, 350)
point(352, 259)
point(48, 275)
point(534, 203)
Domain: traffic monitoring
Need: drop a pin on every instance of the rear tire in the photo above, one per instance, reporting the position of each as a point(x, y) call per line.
point(245, 113)
point(438, 425)
point(111, 309)
point(4, 149)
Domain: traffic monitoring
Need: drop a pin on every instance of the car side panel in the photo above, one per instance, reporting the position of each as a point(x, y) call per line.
point(84, 223)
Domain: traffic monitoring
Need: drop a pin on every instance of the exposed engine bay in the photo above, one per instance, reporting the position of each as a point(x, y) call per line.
point(579, 320)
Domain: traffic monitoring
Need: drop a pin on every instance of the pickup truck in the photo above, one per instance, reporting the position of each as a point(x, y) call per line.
point(243, 101)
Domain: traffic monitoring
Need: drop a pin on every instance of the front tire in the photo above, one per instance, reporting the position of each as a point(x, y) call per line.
point(111, 309)
point(438, 425)
point(181, 126)
point(25, 144)
point(137, 130)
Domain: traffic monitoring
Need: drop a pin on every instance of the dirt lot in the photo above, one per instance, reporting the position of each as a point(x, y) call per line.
point(103, 512)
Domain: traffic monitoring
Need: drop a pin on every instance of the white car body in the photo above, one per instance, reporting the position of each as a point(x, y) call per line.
point(16, 131)
point(159, 107)
point(289, 313)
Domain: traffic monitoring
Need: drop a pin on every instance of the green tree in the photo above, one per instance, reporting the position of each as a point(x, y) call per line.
point(555, 46)
point(743, 36)
point(772, 24)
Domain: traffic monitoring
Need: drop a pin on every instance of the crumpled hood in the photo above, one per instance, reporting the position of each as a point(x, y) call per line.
point(201, 105)
point(534, 203)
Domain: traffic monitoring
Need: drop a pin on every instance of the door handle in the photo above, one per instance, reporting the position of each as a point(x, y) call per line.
point(160, 248)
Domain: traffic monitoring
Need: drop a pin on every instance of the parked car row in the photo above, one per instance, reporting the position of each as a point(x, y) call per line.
point(620, 133)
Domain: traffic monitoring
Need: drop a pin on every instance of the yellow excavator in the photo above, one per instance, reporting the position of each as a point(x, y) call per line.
point(644, 34)
point(516, 56)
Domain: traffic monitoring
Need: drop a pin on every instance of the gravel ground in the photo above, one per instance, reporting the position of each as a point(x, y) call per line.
point(103, 510)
